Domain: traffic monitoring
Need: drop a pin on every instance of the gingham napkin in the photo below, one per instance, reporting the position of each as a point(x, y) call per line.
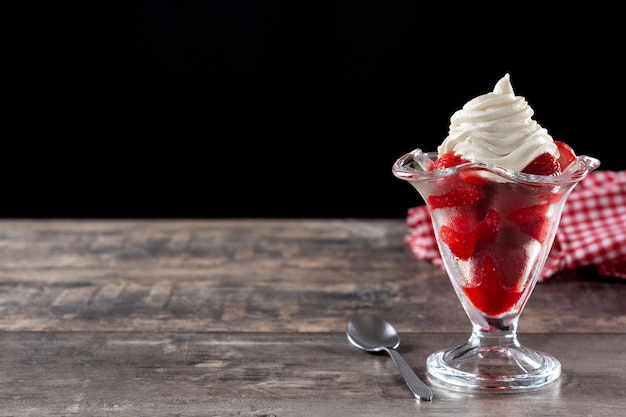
point(592, 231)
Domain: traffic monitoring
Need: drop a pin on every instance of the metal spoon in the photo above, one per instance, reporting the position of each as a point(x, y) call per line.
point(374, 334)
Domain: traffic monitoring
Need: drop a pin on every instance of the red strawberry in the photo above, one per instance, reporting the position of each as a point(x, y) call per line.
point(473, 179)
point(537, 229)
point(566, 154)
point(532, 220)
point(461, 243)
point(528, 214)
point(459, 234)
point(487, 230)
point(464, 222)
point(489, 296)
point(544, 164)
point(456, 197)
point(447, 160)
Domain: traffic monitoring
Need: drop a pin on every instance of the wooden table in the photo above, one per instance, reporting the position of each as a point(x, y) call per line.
point(248, 318)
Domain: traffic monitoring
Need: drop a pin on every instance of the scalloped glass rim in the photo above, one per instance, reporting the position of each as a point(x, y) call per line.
point(413, 166)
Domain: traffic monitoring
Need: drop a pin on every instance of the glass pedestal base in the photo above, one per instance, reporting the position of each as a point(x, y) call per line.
point(493, 367)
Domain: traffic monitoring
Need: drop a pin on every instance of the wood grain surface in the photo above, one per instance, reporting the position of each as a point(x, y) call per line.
point(248, 318)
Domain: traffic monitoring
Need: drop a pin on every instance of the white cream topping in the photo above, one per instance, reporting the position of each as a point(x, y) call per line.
point(497, 128)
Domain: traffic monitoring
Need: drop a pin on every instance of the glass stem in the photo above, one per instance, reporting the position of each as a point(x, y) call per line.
point(497, 332)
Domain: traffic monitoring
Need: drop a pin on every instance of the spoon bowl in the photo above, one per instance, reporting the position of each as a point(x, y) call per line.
point(373, 334)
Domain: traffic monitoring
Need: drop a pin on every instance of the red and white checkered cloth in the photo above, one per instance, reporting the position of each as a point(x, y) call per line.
point(592, 231)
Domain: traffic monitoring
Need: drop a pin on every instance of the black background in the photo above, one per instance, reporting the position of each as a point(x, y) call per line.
point(223, 109)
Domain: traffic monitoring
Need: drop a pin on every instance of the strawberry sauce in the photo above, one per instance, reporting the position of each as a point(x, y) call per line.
point(490, 296)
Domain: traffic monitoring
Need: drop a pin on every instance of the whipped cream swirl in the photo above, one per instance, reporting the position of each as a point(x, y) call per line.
point(497, 128)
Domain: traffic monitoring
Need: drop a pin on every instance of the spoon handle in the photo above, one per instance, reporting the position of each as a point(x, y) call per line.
point(416, 385)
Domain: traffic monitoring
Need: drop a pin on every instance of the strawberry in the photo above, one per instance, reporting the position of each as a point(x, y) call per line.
point(537, 229)
point(456, 197)
point(447, 160)
point(474, 179)
point(487, 230)
point(463, 222)
point(462, 232)
point(544, 164)
point(528, 214)
point(489, 296)
point(458, 234)
point(566, 154)
point(461, 243)
point(531, 220)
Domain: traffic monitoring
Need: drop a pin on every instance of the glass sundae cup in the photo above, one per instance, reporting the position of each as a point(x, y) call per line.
point(494, 229)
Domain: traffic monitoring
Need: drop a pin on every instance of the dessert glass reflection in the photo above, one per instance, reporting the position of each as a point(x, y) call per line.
point(494, 228)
